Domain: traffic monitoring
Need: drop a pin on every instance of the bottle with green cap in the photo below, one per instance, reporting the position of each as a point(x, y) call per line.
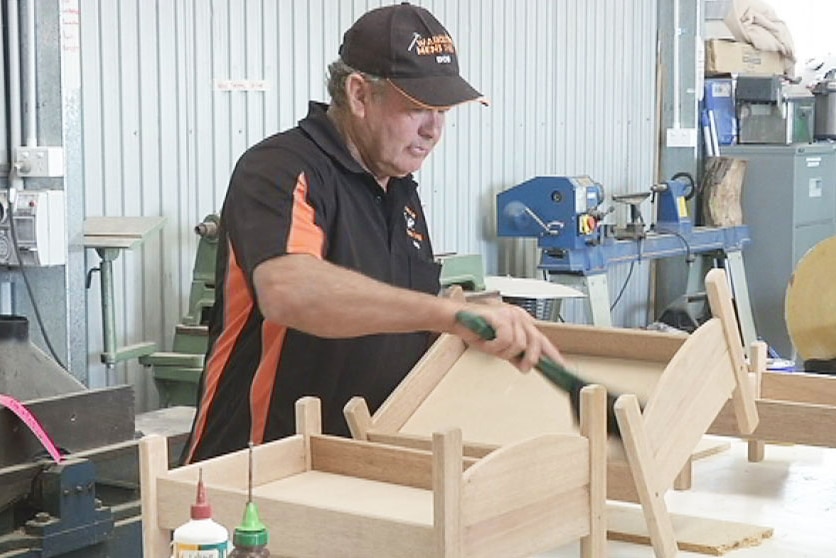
point(250, 539)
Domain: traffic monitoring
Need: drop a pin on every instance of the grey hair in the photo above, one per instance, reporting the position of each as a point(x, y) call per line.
point(338, 72)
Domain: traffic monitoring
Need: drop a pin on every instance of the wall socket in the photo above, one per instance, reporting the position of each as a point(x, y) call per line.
point(39, 161)
point(682, 137)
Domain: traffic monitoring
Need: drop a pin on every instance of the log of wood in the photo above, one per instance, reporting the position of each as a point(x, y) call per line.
point(722, 185)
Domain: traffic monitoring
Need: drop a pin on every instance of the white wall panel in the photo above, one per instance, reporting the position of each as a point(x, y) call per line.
point(571, 84)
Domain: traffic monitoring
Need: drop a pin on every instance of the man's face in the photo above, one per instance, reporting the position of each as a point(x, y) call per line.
point(397, 134)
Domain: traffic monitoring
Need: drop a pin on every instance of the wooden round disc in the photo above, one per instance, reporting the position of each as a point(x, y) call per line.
point(810, 303)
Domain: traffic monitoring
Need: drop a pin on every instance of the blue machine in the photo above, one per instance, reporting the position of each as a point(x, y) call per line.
point(564, 215)
point(562, 212)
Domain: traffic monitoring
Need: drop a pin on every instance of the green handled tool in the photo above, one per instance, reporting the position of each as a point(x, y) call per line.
point(553, 371)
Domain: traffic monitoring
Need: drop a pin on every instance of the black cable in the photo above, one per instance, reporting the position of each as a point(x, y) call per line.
point(688, 255)
point(28, 286)
point(624, 286)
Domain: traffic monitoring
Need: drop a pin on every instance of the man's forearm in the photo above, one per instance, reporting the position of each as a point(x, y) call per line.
point(326, 300)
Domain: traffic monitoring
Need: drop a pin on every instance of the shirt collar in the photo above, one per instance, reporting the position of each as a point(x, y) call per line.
point(322, 131)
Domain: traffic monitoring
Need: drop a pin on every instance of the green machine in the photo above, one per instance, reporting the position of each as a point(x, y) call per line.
point(177, 373)
point(465, 270)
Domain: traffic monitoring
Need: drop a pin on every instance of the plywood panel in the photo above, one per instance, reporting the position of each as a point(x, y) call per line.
point(528, 404)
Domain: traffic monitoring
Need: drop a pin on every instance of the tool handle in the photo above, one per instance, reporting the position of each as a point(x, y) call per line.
point(554, 371)
point(477, 324)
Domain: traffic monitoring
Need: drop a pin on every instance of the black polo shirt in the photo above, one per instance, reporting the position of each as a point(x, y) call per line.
point(301, 191)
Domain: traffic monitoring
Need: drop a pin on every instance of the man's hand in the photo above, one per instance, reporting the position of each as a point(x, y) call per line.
point(517, 340)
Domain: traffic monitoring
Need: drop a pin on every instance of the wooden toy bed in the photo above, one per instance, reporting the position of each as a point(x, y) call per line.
point(685, 382)
point(324, 496)
point(800, 407)
point(793, 407)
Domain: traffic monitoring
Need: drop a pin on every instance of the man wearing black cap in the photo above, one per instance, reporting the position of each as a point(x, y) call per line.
point(326, 283)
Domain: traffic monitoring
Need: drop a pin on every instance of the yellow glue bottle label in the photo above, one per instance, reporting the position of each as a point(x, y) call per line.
point(189, 550)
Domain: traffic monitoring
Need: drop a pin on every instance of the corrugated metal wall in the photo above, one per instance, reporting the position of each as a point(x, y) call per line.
point(571, 84)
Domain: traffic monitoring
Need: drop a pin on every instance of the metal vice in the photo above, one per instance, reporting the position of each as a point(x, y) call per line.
point(65, 514)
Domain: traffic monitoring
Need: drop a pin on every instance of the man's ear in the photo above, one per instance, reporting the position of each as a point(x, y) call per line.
point(358, 94)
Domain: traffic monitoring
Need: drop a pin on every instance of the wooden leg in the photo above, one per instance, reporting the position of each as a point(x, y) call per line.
point(153, 461)
point(652, 498)
point(756, 450)
point(684, 479)
point(359, 420)
point(594, 428)
point(447, 493)
point(758, 366)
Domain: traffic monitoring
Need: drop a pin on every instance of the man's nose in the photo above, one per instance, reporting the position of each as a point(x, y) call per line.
point(433, 124)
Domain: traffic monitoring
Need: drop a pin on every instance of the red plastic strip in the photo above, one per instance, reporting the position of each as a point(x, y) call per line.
point(32, 424)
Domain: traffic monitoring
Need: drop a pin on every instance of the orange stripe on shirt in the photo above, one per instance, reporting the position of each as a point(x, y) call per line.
point(305, 235)
point(261, 391)
point(237, 307)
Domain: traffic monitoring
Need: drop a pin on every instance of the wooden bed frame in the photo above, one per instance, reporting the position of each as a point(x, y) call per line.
point(793, 407)
point(685, 381)
point(317, 493)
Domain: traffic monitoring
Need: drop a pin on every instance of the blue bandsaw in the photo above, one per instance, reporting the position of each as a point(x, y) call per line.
point(564, 214)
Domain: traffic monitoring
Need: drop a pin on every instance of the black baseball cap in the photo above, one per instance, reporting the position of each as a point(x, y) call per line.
point(408, 46)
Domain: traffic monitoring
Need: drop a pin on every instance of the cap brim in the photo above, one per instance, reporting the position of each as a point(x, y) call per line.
point(438, 92)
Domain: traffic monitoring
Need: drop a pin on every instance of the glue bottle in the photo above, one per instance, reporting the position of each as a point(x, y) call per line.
point(250, 538)
point(201, 536)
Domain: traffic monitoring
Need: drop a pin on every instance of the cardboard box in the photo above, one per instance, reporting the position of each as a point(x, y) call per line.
point(732, 57)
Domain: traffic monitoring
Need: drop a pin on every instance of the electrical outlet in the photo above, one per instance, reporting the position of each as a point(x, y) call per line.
point(39, 162)
point(682, 137)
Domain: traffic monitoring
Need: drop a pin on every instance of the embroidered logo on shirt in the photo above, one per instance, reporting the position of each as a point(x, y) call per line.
point(410, 217)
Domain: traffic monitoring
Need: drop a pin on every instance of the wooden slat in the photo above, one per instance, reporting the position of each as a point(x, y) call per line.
point(784, 421)
point(367, 460)
point(469, 449)
point(271, 461)
point(643, 466)
point(655, 346)
point(797, 387)
point(720, 300)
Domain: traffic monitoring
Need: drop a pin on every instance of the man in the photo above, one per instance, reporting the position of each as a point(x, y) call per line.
point(326, 283)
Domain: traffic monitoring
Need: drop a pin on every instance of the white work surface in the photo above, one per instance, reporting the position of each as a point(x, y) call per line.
point(792, 490)
point(520, 287)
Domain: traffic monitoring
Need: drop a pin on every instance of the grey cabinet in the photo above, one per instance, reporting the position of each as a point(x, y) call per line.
point(789, 204)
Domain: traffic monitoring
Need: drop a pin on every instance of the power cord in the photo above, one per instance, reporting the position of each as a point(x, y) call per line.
point(624, 286)
point(13, 234)
point(689, 257)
